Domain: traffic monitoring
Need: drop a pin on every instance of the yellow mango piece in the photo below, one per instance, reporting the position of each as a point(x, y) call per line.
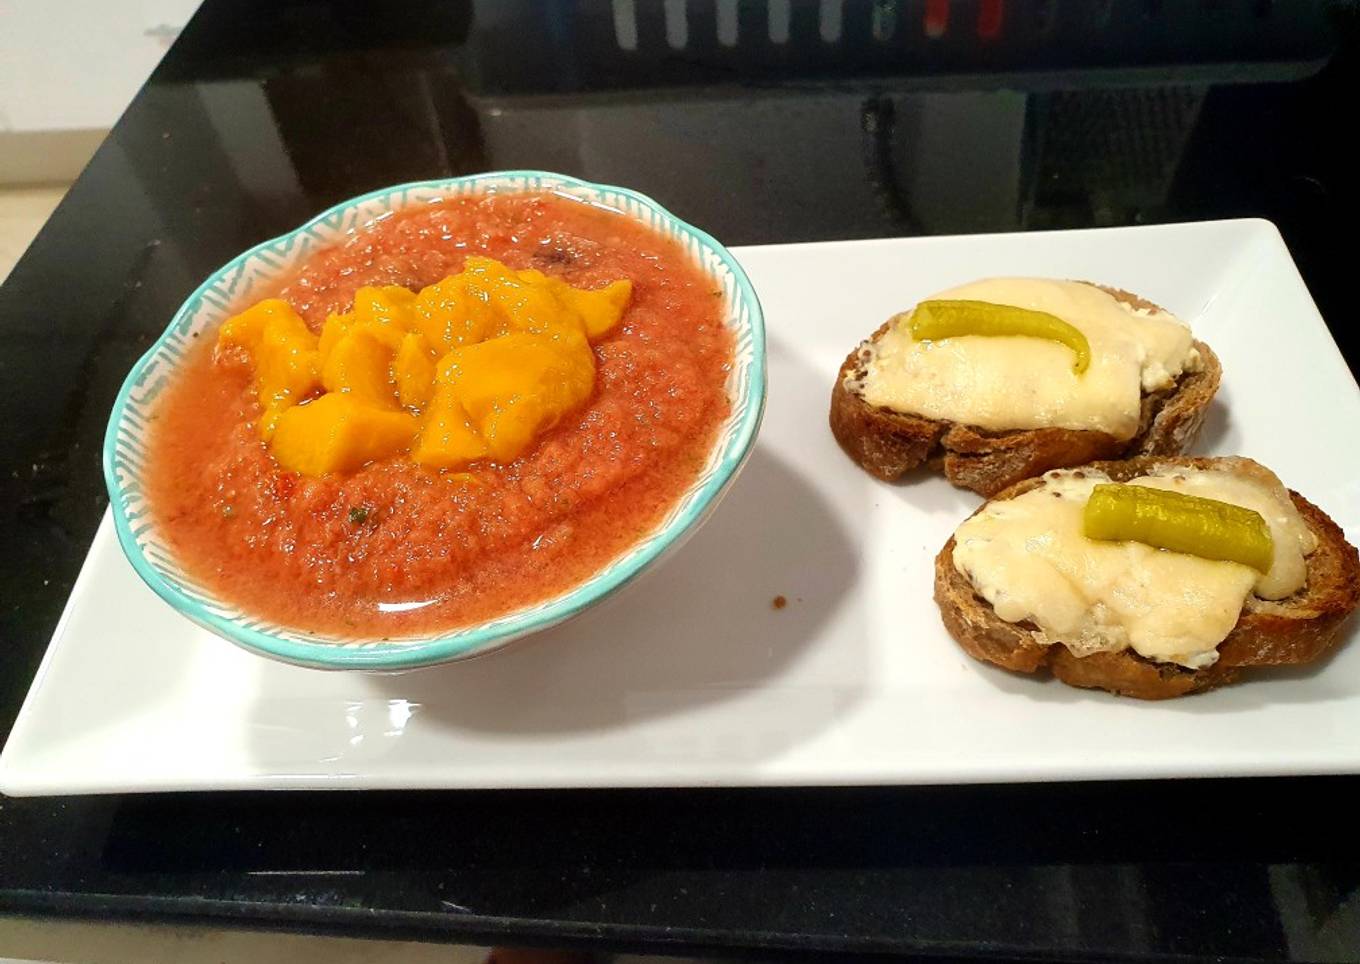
point(389, 336)
point(246, 330)
point(448, 440)
point(390, 305)
point(388, 313)
point(287, 367)
point(449, 315)
point(339, 433)
point(335, 328)
point(360, 366)
point(519, 385)
point(600, 308)
point(413, 370)
point(519, 305)
point(516, 360)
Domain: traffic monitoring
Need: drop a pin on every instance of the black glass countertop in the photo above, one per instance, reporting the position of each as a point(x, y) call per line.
point(762, 122)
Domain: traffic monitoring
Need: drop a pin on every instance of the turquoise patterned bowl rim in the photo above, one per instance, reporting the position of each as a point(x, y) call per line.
point(226, 290)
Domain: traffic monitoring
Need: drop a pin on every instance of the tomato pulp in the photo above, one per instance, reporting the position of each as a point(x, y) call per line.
point(396, 549)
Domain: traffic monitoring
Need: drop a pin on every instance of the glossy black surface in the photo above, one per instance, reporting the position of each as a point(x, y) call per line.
point(1063, 115)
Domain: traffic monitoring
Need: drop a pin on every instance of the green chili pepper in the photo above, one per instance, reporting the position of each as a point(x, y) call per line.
point(937, 320)
point(1191, 524)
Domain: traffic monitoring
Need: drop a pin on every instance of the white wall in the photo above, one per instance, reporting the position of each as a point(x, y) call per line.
point(68, 68)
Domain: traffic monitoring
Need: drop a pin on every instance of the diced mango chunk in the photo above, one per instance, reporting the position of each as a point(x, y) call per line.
point(413, 370)
point(286, 360)
point(519, 305)
point(246, 330)
point(391, 305)
point(360, 365)
point(339, 433)
point(513, 358)
point(335, 328)
point(519, 385)
point(449, 315)
point(387, 314)
point(287, 368)
point(448, 440)
point(387, 335)
point(600, 308)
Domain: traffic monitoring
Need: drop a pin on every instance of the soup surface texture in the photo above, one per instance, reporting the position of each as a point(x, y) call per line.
point(396, 548)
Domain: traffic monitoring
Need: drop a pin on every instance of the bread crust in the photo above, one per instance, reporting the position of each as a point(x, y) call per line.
point(887, 444)
point(1290, 631)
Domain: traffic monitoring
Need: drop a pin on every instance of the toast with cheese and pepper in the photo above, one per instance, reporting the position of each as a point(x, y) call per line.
point(1151, 577)
point(1003, 379)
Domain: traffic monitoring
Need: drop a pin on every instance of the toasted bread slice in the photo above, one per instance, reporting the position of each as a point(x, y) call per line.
point(1289, 631)
point(887, 444)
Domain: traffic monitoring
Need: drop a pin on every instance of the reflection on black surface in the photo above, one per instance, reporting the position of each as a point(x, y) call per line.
point(610, 45)
point(528, 47)
point(754, 160)
point(1083, 867)
point(763, 122)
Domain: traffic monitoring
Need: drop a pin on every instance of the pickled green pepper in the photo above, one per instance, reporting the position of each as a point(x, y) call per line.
point(1191, 524)
point(937, 320)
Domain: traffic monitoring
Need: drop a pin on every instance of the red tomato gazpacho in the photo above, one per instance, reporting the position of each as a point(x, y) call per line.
point(462, 409)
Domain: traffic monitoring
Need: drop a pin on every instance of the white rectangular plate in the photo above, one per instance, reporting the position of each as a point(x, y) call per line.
point(691, 677)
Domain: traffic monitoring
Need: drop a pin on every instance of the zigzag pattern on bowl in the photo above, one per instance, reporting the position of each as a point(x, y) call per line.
point(230, 288)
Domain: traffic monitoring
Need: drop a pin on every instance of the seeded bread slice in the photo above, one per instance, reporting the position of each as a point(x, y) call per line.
point(887, 444)
point(1289, 631)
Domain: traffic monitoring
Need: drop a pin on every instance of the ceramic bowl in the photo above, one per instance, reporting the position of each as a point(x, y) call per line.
point(229, 289)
